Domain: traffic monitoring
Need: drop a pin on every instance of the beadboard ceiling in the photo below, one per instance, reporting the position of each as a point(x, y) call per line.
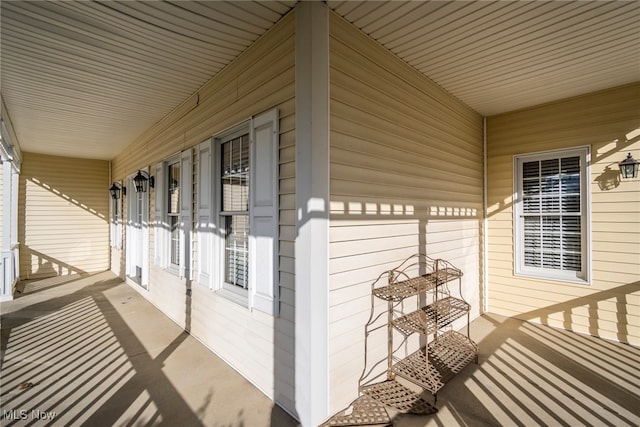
point(84, 79)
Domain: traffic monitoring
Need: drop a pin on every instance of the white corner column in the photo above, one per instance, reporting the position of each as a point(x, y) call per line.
point(9, 265)
point(312, 207)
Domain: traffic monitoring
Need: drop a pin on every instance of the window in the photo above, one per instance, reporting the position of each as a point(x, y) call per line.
point(552, 215)
point(234, 184)
point(173, 211)
point(237, 213)
point(116, 221)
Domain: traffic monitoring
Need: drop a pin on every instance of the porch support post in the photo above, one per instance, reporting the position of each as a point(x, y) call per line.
point(312, 208)
point(9, 246)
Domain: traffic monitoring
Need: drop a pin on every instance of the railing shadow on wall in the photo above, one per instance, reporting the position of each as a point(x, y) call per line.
point(440, 229)
point(604, 154)
point(48, 266)
point(519, 380)
point(93, 369)
point(614, 151)
point(52, 214)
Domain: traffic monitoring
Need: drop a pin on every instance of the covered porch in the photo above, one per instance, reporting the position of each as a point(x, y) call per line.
point(112, 358)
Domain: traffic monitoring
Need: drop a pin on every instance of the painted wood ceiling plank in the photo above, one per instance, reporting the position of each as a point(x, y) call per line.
point(476, 29)
point(407, 21)
point(98, 43)
point(523, 32)
point(146, 36)
point(213, 18)
point(424, 18)
point(112, 65)
point(150, 13)
point(375, 23)
point(361, 12)
point(269, 11)
point(544, 57)
point(343, 7)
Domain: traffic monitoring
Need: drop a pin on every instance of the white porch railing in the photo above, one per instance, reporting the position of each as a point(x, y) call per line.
point(9, 267)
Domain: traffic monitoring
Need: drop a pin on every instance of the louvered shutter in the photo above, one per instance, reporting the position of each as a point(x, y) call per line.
point(118, 219)
point(263, 241)
point(186, 195)
point(113, 221)
point(131, 194)
point(160, 226)
point(205, 221)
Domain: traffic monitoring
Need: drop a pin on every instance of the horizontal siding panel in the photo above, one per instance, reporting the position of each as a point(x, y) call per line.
point(377, 263)
point(599, 120)
point(398, 167)
point(379, 98)
point(350, 182)
point(393, 136)
point(2, 197)
point(260, 79)
point(355, 121)
point(398, 73)
point(63, 216)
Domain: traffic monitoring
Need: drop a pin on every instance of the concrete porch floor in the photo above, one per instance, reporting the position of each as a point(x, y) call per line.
point(91, 351)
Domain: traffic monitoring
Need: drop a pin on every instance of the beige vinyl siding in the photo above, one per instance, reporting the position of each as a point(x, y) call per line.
point(2, 196)
point(63, 212)
point(405, 177)
point(257, 345)
point(610, 306)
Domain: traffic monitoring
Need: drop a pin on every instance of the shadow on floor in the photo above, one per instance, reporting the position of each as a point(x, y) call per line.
point(93, 352)
point(532, 375)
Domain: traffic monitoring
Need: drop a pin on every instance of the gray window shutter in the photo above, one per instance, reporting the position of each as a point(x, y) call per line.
point(160, 226)
point(131, 191)
point(205, 220)
point(186, 195)
point(263, 239)
point(119, 220)
point(113, 223)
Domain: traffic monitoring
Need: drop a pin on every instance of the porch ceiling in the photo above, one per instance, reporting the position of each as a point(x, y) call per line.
point(84, 79)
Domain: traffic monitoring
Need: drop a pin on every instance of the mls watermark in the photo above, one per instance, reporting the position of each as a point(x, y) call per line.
point(23, 414)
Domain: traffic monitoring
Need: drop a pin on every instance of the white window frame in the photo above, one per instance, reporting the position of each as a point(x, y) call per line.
point(230, 291)
point(116, 215)
point(171, 266)
point(262, 290)
point(520, 269)
point(162, 231)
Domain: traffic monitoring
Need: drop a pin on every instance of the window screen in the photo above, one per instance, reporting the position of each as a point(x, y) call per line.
point(551, 215)
point(235, 209)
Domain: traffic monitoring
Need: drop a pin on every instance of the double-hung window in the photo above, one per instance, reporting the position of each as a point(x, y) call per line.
point(237, 213)
point(234, 214)
point(552, 215)
point(173, 213)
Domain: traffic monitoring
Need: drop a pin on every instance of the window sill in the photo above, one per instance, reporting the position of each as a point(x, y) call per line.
point(552, 278)
point(237, 297)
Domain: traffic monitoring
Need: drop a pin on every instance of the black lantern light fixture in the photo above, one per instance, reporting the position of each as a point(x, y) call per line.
point(629, 167)
point(141, 180)
point(116, 190)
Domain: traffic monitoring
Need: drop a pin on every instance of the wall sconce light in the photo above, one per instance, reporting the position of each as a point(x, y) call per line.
point(141, 180)
point(116, 190)
point(629, 167)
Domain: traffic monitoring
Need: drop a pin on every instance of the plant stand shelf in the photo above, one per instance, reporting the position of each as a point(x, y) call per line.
point(445, 352)
point(432, 367)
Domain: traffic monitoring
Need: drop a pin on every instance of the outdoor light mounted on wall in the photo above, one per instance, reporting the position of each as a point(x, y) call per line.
point(629, 167)
point(116, 190)
point(141, 180)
